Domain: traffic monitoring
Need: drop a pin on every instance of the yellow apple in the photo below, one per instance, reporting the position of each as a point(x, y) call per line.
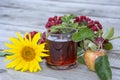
point(91, 56)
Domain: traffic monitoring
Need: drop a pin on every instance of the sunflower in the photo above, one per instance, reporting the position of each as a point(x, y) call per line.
point(26, 53)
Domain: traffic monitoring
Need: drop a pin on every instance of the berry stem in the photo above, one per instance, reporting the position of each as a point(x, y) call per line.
point(115, 37)
point(83, 45)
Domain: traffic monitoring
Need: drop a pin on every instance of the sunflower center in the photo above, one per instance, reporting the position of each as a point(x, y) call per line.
point(28, 53)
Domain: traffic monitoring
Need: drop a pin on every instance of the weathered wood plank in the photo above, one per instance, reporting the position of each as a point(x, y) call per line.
point(25, 15)
point(22, 29)
point(116, 74)
point(81, 72)
point(114, 57)
point(28, 17)
point(100, 2)
point(13, 18)
point(10, 30)
point(65, 8)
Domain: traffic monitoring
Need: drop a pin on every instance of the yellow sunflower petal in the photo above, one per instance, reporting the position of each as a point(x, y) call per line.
point(36, 38)
point(32, 64)
point(45, 50)
point(25, 34)
point(38, 66)
point(20, 38)
point(42, 46)
point(10, 57)
point(20, 65)
point(11, 51)
point(15, 41)
point(26, 40)
point(10, 45)
point(26, 53)
point(30, 38)
point(39, 59)
point(13, 63)
point(43, 55)
point(26, 67)
point(35, 68)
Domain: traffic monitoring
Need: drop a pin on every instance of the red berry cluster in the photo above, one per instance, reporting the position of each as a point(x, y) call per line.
point(83, 20)
point(102, 41)
point(32, 34)
point(95, 26)
point(43, 38)
point(52, 21)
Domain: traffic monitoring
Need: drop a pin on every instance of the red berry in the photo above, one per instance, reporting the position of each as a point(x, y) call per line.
point(94, 28)
point(77, 19)
point(42, 41)
point(96, 22)
point(60, 22)
point(82, 17)
point(32, 34)
point(100, 26)
point(91, 24)
point(99, 39)
point(44, 35)
point(55, 18)
point(60, 17)
point(105, 41)
point(88, 19)
point(48, 25)
point(27, 36)
point(50, 19)
point(43, 38)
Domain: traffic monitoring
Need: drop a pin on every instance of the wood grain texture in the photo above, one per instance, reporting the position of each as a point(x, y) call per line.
point(64, 7)
point(31, 15)
point(81, 72)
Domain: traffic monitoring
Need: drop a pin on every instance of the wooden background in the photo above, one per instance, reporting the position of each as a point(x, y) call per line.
point(29, 15)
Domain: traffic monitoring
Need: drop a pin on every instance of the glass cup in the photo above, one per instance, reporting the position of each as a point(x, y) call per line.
point(62, 51)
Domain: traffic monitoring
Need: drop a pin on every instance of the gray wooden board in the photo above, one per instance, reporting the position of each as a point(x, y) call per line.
point(81, 72)
point(31, 15)
point(62, 7)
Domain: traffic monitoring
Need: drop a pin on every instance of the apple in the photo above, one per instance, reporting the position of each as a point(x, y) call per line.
point(90, 57)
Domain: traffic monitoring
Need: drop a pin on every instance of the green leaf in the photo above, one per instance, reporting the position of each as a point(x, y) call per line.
point(80, 55)
point(92, 46)
point(108, 46)
point(5, 53)
point(81, 60)
point(54, 29)
point(102, 68)
point(72, 16)
point(65, 18)
point(75, 25)
point(116, 37)
point(84, 33)
point(109, 33)
point(80, 51)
